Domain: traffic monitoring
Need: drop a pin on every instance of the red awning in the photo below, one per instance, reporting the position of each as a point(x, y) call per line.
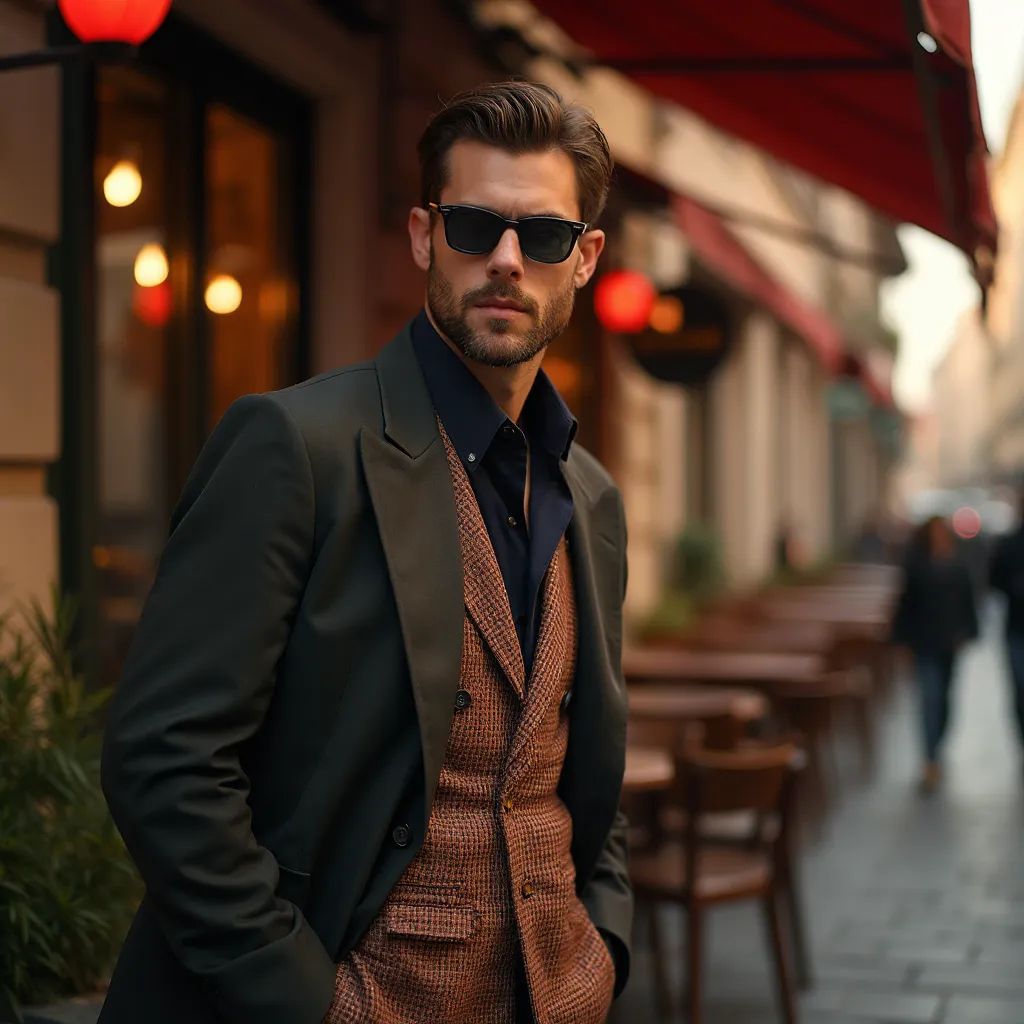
point(876, 387)
point(843, 89)
point(725, 255)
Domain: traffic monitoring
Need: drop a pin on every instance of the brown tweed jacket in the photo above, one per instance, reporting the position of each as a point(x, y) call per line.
point(495, 873)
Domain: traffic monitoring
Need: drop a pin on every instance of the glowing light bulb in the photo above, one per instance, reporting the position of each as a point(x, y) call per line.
point(666, 314)
point(223, 294)
point(123, 185)
point(151, 265)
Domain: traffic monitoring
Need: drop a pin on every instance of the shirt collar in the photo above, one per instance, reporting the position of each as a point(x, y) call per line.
point(470, 416)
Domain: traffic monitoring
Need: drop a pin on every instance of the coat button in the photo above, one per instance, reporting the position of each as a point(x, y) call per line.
point(566, 700)
point(402, 835)
point(528, 890)
point(462, 700)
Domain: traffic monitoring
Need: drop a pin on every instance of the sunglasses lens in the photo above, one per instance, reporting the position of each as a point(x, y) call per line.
point(546, 239)
point(472, 231)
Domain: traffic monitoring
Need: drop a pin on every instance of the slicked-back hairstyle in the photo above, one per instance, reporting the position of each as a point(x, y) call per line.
point(519, 117)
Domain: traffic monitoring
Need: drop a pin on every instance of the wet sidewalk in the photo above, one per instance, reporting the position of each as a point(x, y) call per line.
point(915, 905)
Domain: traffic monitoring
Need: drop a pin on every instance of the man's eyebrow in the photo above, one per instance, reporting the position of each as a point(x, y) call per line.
point(549, 213)
point(539, 213)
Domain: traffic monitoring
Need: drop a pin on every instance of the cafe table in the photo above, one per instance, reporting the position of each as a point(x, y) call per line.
point(648, 769)
point(681, 703)
point(768, 671)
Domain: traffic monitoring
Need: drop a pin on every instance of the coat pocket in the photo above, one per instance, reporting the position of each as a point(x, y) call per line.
point(293, 885)
point(439, 923)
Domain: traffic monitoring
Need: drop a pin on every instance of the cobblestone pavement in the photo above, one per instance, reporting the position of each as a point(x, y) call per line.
point(915, 905)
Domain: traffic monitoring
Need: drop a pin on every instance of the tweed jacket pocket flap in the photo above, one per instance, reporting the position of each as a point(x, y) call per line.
point(445, 924)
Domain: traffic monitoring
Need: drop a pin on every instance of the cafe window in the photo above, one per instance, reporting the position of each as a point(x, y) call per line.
point(195, 168)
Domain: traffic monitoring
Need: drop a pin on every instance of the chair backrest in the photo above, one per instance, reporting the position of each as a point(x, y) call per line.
point(719, 732)
point(743, 779)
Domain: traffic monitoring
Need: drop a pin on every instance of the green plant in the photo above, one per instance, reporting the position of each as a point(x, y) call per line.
point(673, 614)
point(695, 579)
point(67, 886)
point(698, 570)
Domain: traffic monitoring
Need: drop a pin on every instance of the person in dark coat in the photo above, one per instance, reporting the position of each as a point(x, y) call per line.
point(935, 617)
point(368, 747)
point(1006, 574)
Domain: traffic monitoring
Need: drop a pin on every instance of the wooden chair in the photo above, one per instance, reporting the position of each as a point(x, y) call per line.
point(648, 813)
point(699, 872)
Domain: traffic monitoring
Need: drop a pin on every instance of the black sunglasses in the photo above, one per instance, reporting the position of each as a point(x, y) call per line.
point(474, 231)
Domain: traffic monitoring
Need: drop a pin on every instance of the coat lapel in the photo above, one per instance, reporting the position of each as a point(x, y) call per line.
point(556, 635)
point(596, 755)
point(411, 490)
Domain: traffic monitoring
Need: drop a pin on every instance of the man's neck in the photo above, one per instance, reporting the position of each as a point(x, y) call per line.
point(508, 386)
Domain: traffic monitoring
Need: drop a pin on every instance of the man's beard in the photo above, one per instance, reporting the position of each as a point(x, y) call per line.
point(501, 346)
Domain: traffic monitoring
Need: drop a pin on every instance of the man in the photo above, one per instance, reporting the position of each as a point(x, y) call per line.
point(1006, 575)
point(368, 746)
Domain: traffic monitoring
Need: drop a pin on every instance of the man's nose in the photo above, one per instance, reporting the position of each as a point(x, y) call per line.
point(506, 258)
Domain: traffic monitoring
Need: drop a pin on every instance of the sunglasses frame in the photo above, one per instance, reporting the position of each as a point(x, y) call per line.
point(578, 228)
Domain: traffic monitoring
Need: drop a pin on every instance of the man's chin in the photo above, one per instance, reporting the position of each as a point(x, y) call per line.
point(499, 347)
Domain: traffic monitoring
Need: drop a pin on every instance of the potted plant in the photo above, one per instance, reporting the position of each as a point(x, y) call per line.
point(67, 887)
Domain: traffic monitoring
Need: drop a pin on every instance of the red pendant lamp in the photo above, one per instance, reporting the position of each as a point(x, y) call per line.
point(114, 21)
point(623, 301)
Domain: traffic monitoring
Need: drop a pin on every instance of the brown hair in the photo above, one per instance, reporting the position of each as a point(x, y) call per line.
point(519, 117)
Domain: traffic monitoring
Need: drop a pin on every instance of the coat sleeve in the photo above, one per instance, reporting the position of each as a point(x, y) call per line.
point(903, 621)
point(608, 895)
point(196, 685)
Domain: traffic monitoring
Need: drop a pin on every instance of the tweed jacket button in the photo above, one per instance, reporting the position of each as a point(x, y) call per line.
point(402, 835)
point(507, 804)
point(463, 699)
point(566, 700)
point(528, 890)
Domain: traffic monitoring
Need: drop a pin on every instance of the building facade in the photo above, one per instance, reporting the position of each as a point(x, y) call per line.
point(228, 215)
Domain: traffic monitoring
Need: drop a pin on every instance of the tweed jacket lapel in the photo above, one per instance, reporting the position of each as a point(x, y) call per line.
point(556, 641)
point(485, 594)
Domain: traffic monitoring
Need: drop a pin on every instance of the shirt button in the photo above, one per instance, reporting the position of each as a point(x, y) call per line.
point(471, 457)
point(508, 430)
point(528, 890)
point(402, 835)
point(512, 521)
point(566, 700)
point(507, 804)
point(463, 699)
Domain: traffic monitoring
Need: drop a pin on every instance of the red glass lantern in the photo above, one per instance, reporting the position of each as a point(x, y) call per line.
point(153, 305)
point(114, 21)
point(623, 301)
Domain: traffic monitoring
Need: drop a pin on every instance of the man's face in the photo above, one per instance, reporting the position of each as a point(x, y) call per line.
point(500, 308)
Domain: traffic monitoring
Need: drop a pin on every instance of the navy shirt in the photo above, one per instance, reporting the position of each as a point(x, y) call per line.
point(493, 450)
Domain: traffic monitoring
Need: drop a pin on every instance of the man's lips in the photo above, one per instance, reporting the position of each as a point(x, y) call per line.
point(499, 306)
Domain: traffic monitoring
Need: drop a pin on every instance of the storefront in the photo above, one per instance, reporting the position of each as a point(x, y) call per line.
point(183, 266)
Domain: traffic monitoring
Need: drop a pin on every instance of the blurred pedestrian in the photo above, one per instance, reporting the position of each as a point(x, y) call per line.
point(1006, 574)
point(935, 616)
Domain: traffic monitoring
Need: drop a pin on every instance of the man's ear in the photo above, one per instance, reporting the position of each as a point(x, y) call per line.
point(420, 227)
point(590, 246)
